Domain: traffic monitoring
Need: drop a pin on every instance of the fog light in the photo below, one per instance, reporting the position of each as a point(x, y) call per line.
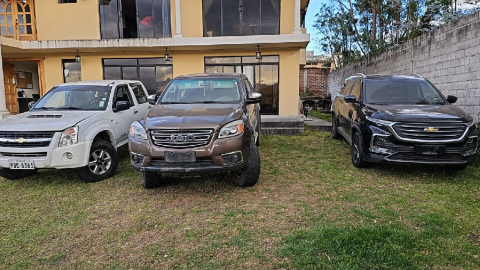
point(232, 158)
point(69, 155)
point(136, 158)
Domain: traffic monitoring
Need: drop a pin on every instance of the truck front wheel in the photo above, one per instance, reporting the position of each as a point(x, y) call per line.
point(102, 163)
point(249, 175)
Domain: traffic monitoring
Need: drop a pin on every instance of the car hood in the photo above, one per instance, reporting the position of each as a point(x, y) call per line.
point(191, 116)
point(45, 120)
point(409, 113)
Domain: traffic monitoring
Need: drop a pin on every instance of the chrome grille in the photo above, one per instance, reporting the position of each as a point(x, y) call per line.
point(40, 154)
point(409, 157)
point(27, 139)
point(181, 138)
point(447, 131)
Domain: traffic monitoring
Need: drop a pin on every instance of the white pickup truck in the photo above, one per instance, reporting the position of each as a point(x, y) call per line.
point(75, 125)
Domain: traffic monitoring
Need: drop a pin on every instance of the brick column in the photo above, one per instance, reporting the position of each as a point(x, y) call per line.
point(3, 104)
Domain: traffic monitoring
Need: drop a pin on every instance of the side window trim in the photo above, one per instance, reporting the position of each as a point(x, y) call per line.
point(141, 94)
point(129, 96)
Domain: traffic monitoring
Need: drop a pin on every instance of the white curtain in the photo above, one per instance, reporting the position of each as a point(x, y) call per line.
point(167, 29)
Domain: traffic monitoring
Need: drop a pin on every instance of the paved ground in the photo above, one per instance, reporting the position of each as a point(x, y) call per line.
point(318, 124)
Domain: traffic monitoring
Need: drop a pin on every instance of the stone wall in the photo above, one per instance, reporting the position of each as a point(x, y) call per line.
point(449, 57)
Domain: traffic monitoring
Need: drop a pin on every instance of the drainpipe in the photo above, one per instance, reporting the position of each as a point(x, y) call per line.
point(178, 19)
point(3, 104)
point(297, 29)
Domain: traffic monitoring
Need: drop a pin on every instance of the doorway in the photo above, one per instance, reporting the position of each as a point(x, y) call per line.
point(24, 82)
point(17, 19)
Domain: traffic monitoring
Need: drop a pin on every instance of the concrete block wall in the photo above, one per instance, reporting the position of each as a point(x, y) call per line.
point(449, 57)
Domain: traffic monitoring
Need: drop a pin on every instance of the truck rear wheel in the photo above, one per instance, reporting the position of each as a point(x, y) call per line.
point(151, 180)
point(16, 174)
point(249, 175)
point(102, 163)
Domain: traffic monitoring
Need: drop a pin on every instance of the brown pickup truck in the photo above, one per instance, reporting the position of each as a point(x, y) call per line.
point(200, 123)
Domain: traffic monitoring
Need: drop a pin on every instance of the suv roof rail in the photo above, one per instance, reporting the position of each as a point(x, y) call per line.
point(417, 75)
point(359, 74)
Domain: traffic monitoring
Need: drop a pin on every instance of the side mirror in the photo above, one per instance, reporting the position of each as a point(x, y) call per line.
point(451, 99)
point(350, 99)
point(254, 98)
point(152, 99)
point(31, 104)
point(121, 106)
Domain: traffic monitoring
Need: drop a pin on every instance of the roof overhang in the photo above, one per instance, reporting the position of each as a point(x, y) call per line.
point(11, 46)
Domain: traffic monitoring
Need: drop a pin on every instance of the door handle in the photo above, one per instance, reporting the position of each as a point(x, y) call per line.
point(135, 111)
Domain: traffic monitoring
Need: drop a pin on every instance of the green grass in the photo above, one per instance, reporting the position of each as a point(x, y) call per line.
point(318, 114)
point(310, 210)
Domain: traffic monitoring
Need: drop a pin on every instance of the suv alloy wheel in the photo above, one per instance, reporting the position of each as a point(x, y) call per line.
point(357, 149)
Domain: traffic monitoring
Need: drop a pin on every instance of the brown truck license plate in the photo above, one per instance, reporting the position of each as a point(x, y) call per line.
point(189, 156)
point(430, 149)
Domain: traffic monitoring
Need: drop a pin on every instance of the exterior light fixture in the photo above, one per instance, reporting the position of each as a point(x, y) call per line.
point(259, 53)
point(166, 56)
point(77, 57)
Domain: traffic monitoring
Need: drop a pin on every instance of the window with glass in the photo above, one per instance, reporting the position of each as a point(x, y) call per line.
point(75, 97)
point(401, 91)
point(135, 19)
point(139, 93)
point(241, 17)
point(214, 90)
point(263, 74)
point(154, 73)
point(17, 19)
point(72, 70)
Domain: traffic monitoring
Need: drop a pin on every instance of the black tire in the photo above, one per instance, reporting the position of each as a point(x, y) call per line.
point(335, 134)
point(151, 180)
point(249, 175)
point(16, 174)
point(102, 163)
point(357, 149)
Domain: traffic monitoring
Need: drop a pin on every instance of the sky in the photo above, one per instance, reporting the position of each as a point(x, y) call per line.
point(312, 10)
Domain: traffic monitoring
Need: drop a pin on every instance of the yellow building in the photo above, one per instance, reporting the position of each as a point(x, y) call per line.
point(48, 42)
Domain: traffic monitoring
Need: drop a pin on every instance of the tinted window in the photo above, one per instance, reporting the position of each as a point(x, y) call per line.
point(122, 94)
point(357, 89)
point(139, 93)
point(401, 91)
point(209, 90)
point(348, 86)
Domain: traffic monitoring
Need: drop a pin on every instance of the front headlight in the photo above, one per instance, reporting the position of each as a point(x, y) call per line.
point(380, 121)
point(69, 137)
point(137, 131)
point(231, 129)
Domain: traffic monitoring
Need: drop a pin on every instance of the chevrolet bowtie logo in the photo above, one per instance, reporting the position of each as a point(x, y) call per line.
point(21, 140)
point(431, 129)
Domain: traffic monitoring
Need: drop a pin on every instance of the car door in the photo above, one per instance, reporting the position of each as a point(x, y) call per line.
point(140, 95)
point(342, 107)
point(351, 109)
point(253, 109)
point(123, 119)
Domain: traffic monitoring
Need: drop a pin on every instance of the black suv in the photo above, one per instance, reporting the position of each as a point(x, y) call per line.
point(403, 119)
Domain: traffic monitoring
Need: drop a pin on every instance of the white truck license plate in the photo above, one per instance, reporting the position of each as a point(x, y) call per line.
point(16, 164)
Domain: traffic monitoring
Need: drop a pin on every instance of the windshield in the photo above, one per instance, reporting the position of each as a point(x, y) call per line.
point(401, 91)
point(75, 97)
point(203, 90)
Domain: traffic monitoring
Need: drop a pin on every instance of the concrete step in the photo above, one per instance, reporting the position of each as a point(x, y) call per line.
point(282, 125)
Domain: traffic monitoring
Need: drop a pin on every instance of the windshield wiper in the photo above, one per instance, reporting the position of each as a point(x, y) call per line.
point(43, 108)
point(69, 108)
point(176, 103)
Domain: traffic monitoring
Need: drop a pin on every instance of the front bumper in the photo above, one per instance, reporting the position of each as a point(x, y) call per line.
point(208, 158)
point(51, 157)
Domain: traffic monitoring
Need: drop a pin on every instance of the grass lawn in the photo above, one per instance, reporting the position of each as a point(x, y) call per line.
point(310, 210)
point(318, 114)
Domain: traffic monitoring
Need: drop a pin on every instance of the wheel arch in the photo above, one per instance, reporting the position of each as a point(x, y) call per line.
point(101, 133)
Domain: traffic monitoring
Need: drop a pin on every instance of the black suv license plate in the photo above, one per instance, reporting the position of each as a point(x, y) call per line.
point(190, 156)
point(430, 149)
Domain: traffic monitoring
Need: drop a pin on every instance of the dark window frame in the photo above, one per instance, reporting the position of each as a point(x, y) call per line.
point(67, 1)
point(241, 21)
point(138, 65)
point(242, 64)
point(63, 66)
